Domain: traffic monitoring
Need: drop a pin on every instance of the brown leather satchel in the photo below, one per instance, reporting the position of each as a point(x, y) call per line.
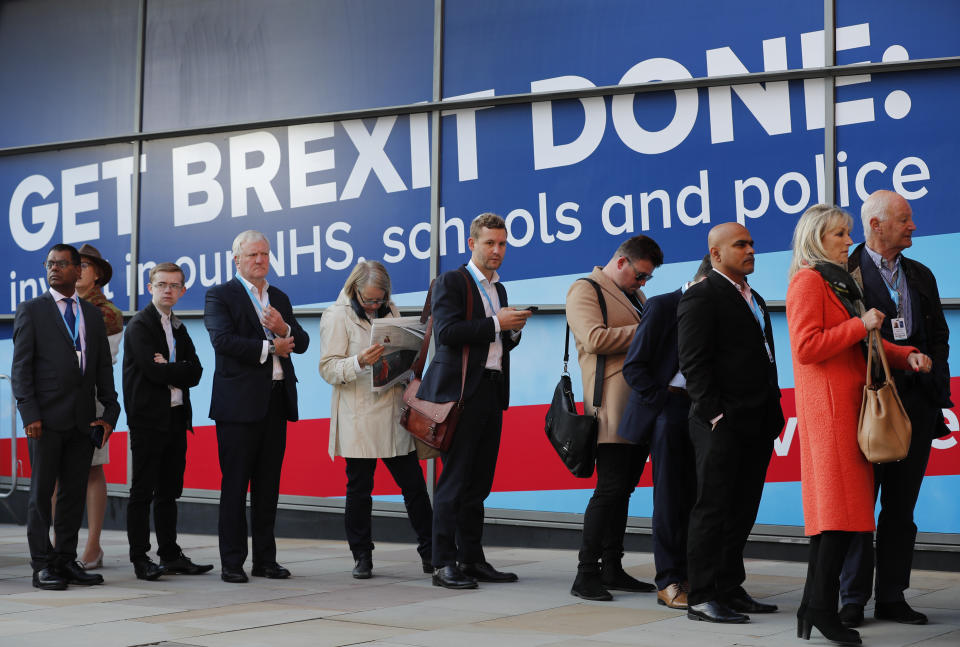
point(433, 423)
point(884, 429)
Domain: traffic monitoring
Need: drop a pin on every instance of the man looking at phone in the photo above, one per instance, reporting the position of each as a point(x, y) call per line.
point(61, 367)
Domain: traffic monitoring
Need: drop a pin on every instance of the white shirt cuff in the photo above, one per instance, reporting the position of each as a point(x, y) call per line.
point(496, 325)
point(265, 352)
point(356, 363)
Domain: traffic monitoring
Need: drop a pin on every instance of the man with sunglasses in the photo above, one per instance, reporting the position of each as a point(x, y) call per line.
point(61, 367)
point(160, 364)
point(619, 461)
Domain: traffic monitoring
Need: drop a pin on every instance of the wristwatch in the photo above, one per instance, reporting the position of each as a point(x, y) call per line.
point(272, 349)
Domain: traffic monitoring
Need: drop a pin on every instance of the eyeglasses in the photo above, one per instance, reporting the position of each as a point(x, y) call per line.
point(176, 287)
point(638, 276)
point(58, 264)
point(84, 265)
point(370, 302)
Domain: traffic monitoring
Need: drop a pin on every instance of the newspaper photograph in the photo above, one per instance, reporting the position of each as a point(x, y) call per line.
point(401, 338)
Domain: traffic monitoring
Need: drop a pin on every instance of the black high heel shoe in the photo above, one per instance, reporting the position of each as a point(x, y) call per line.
point(828, 624)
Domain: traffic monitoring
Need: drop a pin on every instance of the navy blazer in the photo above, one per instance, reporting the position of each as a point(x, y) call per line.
point(652, 361)
point(452, 329)
point(47, 382)
point(241, 383)
point(146, 392)
point(722, 356)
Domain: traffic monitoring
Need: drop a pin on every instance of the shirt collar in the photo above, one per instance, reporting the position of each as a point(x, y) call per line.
point(59, 297)
point(251, 286)
point(743, 289)
point(476, 272)
point(880, 261)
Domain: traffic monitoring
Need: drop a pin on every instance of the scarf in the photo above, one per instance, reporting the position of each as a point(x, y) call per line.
point(843, 285)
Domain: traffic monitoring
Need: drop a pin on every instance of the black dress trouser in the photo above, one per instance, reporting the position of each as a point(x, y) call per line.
point(62, 456)
point(251, 453)
point(159, 460)
point(408, 476)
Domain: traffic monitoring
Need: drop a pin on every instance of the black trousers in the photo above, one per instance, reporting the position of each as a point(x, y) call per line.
point(674, 489)
point(898, 486)
point(159, 459)
point(467, 478)
point(62, 456)
point(619, 467)
point(408, 476)
point(822, 588)
point(251, 454)
point(731, 469)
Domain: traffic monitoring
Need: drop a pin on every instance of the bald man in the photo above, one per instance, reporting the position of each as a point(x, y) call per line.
point(906, 292)
point(725, 344)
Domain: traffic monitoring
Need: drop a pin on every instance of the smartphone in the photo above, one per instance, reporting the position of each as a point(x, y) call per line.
point(530, 308)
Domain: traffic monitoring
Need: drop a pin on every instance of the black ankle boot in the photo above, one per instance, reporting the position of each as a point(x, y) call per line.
point(589, 585)
point(364, 565)
point(827, 623)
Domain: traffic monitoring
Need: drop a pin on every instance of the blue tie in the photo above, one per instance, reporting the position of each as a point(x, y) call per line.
point(71, 320)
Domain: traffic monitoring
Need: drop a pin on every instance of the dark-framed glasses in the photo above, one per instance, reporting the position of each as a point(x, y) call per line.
point(161, 286)
point(638, 276)
point(61, 264)
point(370, 302)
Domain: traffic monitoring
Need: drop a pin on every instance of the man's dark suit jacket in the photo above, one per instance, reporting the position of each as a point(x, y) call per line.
point(146, 392)
point(451, 329)
point(651, 363)
point(723, 359)
point(930, 332)
point(47, 382)
point(241, 384)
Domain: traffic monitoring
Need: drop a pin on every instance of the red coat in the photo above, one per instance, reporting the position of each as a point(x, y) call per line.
point(829, 371)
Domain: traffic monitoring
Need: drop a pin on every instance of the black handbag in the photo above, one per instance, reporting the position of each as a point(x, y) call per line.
point(574, 436)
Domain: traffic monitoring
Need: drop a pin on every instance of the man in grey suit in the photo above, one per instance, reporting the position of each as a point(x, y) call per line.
point(61, 366)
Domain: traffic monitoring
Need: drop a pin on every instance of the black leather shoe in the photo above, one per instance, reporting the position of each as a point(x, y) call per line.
point(451, 577)
point(899, 612)
point(147, 569)
point(851, 615)
point(185, 566)
point(715, 612)
point(743, 603)
point(618, 579)
point(270, 571)
point(73, 573)
point(589, 586)
point(48, 580)
point(364, 566)
point(484, 572)
point(233, 575)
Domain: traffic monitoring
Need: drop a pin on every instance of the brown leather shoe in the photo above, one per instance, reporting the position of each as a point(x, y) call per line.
point(672, 596)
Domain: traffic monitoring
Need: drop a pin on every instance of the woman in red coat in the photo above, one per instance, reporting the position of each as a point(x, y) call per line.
point(826, 340)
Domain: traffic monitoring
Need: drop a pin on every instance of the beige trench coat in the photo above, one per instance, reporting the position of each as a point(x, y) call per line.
point(363, 424)
point(592, 338)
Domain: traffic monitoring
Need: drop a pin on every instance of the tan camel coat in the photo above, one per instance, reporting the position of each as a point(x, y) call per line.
point(613, 340)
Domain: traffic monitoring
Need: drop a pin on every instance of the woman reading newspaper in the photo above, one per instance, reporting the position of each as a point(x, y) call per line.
point(363, 422)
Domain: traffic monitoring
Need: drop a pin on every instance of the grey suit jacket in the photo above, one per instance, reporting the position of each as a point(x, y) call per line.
point(47, 382)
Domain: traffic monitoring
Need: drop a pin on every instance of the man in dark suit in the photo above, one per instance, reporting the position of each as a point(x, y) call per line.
point(906, 292)
point(160, 364)
point(490, 331)
point(253, 332)
point(61, 367)
point(657, 416)
point(725, 344)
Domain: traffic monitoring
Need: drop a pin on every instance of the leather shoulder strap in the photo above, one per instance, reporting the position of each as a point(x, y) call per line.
point(601, 359)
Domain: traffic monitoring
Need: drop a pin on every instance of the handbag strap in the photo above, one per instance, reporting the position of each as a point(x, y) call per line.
point(874, 340)
point(601, 359)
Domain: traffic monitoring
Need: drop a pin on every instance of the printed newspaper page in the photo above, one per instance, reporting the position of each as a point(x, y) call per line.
point(401, 338)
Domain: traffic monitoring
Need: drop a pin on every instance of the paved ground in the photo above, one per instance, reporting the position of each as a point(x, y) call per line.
point(322, 605)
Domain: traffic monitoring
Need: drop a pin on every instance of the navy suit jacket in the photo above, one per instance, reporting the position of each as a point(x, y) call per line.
point(651, 363)
point(452, 330)
point(241, 383)
point(47, 382)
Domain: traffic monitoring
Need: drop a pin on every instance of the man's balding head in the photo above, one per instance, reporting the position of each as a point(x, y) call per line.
point(887, 223)
point(731, 250)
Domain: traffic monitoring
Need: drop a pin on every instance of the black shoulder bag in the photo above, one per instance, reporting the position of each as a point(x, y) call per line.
point(574, 436)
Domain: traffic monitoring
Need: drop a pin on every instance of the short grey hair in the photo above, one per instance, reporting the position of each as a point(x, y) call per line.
point(875, 206)
point(244, 237)
point(808, 235)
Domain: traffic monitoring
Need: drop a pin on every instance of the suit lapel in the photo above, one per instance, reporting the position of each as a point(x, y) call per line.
point(873, 283)
point(247, 308)
point(58, 323)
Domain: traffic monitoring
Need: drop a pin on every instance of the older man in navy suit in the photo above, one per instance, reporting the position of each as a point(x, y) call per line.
point(253, 332)
point(656, 415)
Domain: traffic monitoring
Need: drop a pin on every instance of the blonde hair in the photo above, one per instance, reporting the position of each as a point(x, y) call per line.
point(808, 235)
point(367, 273)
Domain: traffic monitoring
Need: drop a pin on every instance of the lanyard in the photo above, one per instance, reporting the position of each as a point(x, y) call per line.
point(758, 315)
point(75, 333)
point(894, 288)
point(259, 307)
point(483, 293)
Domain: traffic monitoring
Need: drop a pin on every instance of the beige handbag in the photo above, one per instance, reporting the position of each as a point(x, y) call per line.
point(884, 429)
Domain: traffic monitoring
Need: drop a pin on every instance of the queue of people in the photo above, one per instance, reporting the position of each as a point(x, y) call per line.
point(689, 379)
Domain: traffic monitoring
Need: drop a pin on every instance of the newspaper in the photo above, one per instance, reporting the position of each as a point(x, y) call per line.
point(401, 338)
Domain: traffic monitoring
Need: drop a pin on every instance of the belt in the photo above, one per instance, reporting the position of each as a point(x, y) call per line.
point(679, 390)
point(278, 384)
point(490, 374)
